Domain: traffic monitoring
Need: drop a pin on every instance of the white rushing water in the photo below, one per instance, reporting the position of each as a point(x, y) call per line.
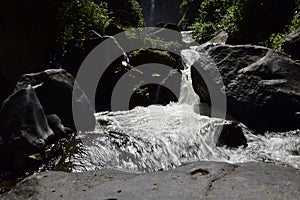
point(163, 137)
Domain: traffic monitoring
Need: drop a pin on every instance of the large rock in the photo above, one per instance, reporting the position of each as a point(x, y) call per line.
point(291, 44)
point(22, 117)
point(54, 89)
point(23, 128)
point(262, 86)
point(199, 180)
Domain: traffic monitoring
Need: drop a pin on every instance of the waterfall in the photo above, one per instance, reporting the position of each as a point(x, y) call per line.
point(157, 11)
point(160, 137)
point(152, 13)
point(187, 93)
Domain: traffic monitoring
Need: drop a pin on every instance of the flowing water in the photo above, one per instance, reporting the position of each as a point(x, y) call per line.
point(163, 137)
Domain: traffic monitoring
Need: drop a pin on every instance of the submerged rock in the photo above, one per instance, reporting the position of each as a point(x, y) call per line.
point(231, 135)
point(291, 44)
point(198, 180)
point(262, 86)
point(54, 89)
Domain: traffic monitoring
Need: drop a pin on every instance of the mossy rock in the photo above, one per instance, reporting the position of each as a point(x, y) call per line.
point(144, 55)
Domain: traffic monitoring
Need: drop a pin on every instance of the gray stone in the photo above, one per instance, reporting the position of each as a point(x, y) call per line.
point(262, 86)
point(199, 180)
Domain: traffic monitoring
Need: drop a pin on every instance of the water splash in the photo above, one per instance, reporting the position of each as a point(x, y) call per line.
point(163, 137)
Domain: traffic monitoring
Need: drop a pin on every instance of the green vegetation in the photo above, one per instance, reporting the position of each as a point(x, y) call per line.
point(76, 18)
point(125, 13)
point(213, 17)
point(275, 41)
point(189, 10)
point(246, 21)
point(137, 10)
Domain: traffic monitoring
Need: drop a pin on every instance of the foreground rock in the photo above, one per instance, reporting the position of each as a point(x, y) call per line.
point(54, 89)
point(262, 86)
point(199, 180)
point(291, 44)
point(24, 128)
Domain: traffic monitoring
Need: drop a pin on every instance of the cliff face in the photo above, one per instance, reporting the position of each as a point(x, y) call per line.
point(156, 11)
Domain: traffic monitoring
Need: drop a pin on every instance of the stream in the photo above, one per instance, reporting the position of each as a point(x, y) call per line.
point(158, 137)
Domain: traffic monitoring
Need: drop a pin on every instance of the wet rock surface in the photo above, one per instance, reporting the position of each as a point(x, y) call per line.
point(54, 89)
point(262, 86)
point(199, 180)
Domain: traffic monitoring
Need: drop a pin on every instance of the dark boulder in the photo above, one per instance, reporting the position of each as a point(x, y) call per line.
point(23, 128)
point(22, 117)
point(54, 89)
point(291, 44)
point(262, 86)
point(231, 135)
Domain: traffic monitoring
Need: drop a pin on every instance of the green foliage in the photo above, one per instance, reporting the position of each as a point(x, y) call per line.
point(188, 9)
point(137, 10)
point(275, 40)
point(77, 17)
point(126, 13)
point(246, 21)
point(213, 16)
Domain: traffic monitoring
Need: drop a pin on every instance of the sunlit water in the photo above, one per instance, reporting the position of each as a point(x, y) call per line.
point(163, 137)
